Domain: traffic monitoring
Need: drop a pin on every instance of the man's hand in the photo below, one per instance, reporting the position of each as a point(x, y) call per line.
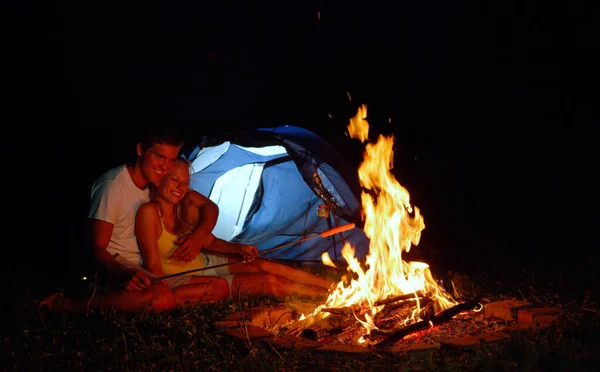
point(190, 246)
point(249, 252)
point(138, 281)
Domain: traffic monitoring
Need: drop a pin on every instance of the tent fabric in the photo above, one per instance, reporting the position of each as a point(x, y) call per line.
point(269, 184)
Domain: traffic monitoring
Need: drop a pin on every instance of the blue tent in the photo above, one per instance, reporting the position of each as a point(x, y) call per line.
point(269, 184)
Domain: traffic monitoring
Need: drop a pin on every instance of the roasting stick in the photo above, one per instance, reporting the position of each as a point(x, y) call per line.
point(324, 234)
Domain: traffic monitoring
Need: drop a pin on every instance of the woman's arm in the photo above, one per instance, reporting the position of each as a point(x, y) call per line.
point(148, 230)
point(246, 251)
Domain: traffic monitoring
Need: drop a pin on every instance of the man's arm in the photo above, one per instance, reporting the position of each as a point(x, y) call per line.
point(200, 213)
point(208, 212)
point(101, 232)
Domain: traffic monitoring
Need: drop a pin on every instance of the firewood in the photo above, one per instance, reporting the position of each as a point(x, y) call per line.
point(297, 327)
point(346, 310)
point(402, 297)
point(398, 312)
point(436, 319)
point(406, 303)
point(330, 325)
point(398, 301)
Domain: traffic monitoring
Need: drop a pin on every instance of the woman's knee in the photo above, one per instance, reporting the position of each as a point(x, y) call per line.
point(221, 286)
point(216, 284)
point(161, 297)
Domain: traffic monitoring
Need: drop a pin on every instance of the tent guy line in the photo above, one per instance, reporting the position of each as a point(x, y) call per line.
point(324, 234)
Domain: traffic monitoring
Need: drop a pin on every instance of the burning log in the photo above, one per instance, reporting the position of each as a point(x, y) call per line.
point(396, 335)
point(393, 302)
point(346, 310)
point(399, 312)
point(391, 299)
point(328, 326)
point(403, 304)
point(315, 329)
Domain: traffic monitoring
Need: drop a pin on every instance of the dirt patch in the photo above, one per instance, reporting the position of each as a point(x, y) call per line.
point(465, 329)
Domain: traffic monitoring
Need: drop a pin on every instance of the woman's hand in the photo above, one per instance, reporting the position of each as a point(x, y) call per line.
point(191, 245)
point(249, 252)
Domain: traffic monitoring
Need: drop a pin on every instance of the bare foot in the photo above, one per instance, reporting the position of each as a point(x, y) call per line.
point(56, 301)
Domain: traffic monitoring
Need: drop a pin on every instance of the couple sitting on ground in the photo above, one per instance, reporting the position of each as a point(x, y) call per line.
point(146, 223)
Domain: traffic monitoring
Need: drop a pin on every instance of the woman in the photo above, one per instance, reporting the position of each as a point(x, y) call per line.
point(172, 213)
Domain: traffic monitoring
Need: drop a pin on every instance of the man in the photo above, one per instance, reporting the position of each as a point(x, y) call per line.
point(115, 199)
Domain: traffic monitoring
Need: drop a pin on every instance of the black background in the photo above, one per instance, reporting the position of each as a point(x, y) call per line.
point(491, 105)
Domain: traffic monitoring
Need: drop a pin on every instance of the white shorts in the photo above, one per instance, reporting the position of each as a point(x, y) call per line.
point(177, 281)
point(223, 271)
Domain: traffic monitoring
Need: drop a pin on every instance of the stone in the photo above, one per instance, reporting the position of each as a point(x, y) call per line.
point(262, 316)
point(294, 342)
point(249, 332)
point(505, 310)
point(538, 315)
point(420, 349)
point(470, 340)
point(525, 327)
point(225, 324)
point(344, 348)
point(300, 308)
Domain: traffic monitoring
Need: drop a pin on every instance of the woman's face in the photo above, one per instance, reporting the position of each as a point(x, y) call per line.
point(175, 183)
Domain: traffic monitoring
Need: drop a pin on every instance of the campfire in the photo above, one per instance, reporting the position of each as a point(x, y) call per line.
point(384, 298)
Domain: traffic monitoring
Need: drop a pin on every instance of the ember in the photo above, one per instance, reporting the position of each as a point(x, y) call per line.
point(386, 296)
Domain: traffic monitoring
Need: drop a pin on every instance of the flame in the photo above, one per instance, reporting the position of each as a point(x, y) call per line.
point(359, 127)
point(393, 227)
point(327, 260)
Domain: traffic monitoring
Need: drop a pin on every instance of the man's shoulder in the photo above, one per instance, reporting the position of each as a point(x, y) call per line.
point(111, 182)
point(113, 174)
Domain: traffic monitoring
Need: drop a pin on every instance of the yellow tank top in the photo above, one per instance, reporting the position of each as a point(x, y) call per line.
point(166, 247)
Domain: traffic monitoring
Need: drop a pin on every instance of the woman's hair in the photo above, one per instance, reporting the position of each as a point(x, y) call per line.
point(184, 161)
point(186, 226)
point(187, 163)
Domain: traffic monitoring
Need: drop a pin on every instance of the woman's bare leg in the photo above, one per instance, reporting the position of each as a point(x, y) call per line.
point(297, 275)
point(202, 289)
point(264, 283)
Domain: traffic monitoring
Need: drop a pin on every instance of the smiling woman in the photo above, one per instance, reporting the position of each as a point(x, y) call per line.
point(169, 222)
point(114, 199)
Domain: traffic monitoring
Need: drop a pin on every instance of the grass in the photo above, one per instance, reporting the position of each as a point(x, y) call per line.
point(185, 340)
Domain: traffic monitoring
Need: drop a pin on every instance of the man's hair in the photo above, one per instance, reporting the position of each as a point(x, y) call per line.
point(163, 137)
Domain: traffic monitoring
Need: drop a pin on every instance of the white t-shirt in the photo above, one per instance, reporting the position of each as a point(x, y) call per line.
point(116, 199)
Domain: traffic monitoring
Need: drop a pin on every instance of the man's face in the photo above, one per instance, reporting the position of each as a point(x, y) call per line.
point(157, 160)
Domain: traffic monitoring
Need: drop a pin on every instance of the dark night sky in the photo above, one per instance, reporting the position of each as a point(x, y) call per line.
point(489, 104)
